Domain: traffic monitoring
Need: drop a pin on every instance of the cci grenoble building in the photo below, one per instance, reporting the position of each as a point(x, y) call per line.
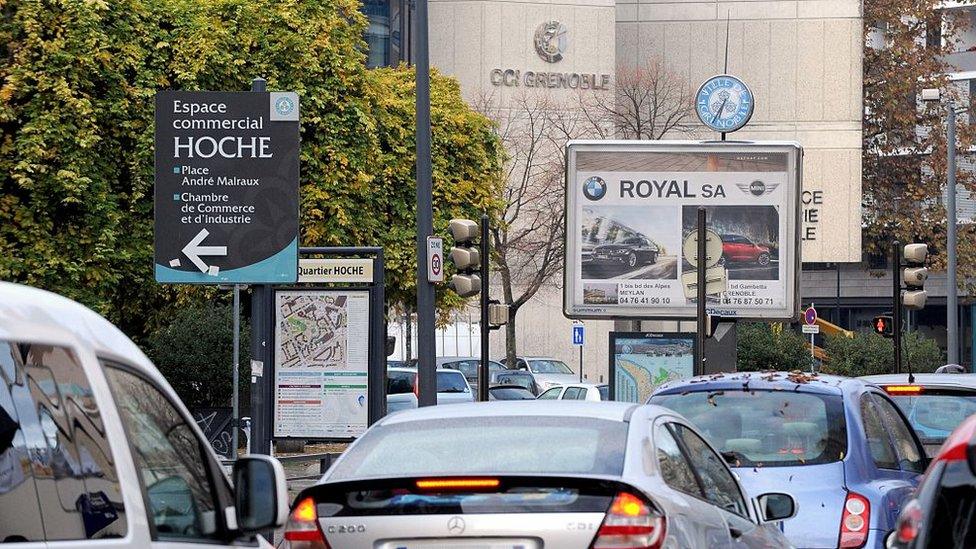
point(802, 59)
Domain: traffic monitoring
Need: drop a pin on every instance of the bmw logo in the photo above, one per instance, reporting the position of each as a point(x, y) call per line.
point(284, 106)
point(594, 188)
point(757, 188)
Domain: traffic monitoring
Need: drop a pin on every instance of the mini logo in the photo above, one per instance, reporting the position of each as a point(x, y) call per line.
point(550, 41)
point(594, 188)
point(284, 106)
point(757, 187)
point(455, 526)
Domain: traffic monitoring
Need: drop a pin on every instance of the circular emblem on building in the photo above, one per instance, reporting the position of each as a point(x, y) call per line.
point(284, 106)
point(724, 103)
point(550, 41)
point(594, 188)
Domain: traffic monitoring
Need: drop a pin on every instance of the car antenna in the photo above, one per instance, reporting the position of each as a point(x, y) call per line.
point(911, 376)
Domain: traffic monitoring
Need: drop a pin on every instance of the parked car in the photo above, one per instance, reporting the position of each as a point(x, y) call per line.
point(633, 252)
point(468, 365)
point(96, 449)
point(402, 390)
point(509, 392)
point(739, 249)
point(839, 445)
point(547, 372)
point(399, 364)
point(585, 475)
point(935, 404)
point(578, 391)
point(515, 377)
point(941, 513)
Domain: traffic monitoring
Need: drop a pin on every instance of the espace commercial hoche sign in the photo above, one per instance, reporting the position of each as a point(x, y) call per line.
point(630, 205)
point(226, 194)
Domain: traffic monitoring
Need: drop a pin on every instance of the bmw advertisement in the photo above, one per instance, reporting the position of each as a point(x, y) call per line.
point(630, 206)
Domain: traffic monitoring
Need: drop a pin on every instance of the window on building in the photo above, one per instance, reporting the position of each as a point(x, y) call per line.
point(933, 31)
point(378, 32)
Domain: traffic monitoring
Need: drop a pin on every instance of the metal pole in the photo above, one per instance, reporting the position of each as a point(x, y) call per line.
point(952, 297)
point(896, 301)
point(581, 363)
point(426, 375)
point(485, 249)
point(261, 384)
point(702, 318)
point(837, 319)
point(236, 376)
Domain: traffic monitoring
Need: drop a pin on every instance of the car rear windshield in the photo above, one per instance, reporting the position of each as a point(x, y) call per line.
point(511, 393)
point(451, 382)
point(549, 367)
point(487, 445)
point(525, 380)
point(604, 392)
point(935, 412)
point(767, 428)
point(399, 382)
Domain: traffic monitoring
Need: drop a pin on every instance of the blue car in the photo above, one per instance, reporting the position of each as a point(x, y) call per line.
point(840, 446)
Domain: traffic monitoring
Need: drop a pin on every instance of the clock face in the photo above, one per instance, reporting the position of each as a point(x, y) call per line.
point(724, 103)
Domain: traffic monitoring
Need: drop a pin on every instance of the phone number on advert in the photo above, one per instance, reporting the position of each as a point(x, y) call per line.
point(747, 301)
point(642, 300)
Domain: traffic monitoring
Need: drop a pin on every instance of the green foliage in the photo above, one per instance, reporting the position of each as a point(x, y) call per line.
point(759, 347)
point(869, 353)
point(76, 137)
point(195, 354)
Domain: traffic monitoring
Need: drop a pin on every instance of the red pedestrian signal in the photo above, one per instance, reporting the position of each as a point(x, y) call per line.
point(883, 325)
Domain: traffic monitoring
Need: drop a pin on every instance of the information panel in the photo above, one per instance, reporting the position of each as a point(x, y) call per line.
point(226, 193)
point(642, 362)
point(630, 205)
point(321, 361)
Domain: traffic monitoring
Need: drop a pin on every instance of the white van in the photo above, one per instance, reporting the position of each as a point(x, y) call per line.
point(97, 451)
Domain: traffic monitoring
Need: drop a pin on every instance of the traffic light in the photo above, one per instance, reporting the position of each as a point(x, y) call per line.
point(466, 257)
point(883, 325)
point(914, 275)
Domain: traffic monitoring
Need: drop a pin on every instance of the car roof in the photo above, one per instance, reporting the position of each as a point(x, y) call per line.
point(414, 370)
point(793, 381)
point(614, 411)
point(583, 385)
point(926, 379)
point(32, 314)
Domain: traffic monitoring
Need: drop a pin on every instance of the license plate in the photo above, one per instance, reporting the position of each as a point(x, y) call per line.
point(474, 543)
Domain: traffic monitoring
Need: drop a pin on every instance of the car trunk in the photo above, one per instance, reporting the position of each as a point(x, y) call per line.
point(523, 512)
point(820, 491)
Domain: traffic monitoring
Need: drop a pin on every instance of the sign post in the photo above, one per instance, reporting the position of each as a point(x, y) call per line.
point(810, 327)
point(579, 339)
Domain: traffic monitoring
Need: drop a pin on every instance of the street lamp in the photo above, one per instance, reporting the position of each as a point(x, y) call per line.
point(952, 297)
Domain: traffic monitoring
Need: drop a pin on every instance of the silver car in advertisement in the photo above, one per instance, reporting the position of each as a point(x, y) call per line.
point(573, 475)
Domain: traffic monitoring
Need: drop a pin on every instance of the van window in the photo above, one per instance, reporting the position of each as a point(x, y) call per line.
point(58, 479)
point(172, 465)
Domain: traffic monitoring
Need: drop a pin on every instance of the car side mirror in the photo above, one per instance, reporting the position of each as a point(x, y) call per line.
point(260, 493)
point(776, 506)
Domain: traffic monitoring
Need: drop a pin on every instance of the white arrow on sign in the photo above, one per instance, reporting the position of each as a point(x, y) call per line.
point(193, 250)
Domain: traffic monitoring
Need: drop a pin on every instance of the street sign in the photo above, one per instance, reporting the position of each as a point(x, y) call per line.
point(630, 206)
point(716, 282)
point(810, 316)
point(335, 270)
point(226, 187)
point(435, 259)
point(811, 329)
point(713, 248)
point(579, 334)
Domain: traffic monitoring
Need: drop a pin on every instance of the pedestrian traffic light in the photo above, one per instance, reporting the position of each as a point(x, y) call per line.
point(466, 257)
point(883, 325)
point(914, 276)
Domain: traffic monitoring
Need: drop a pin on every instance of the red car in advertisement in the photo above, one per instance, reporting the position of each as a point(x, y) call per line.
point(739, 249)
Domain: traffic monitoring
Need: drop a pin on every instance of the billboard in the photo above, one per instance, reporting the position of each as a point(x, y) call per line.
point(641, 362)
point(321, 361)
point(630, 204)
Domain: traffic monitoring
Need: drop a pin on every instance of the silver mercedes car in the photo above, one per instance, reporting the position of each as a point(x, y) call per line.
point(533, 475)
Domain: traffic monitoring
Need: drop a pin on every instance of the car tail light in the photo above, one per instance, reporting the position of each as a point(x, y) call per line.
point(302, 530)
point(473, 484)
point(631, 523)
point(909, 522)
point(900, 390)
point(854, 521)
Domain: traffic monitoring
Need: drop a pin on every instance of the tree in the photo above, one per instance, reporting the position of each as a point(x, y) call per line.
point(867, 354)
point(760, 347)
point(649, 103)
point(194, 352)
point(76, 137)
point(904, 159)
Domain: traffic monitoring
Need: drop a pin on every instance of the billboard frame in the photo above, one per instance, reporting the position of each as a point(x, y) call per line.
point(612, 358)
point(793, 225)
